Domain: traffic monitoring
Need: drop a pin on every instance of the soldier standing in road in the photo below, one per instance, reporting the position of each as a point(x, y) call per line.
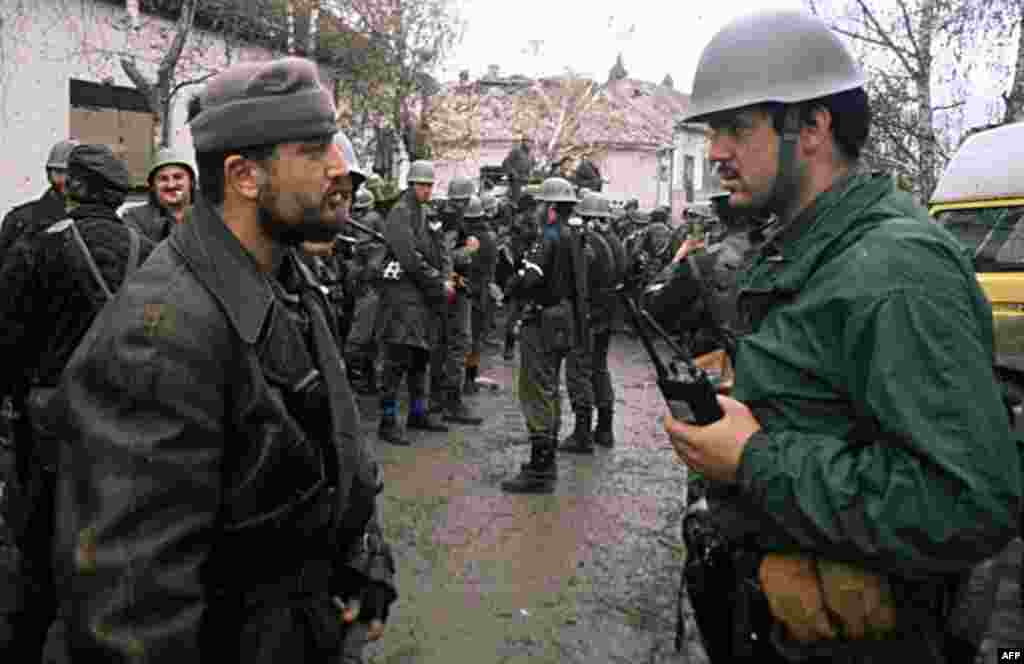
point(480, 276)
point(34, 216)
point(524, 231)
point(363, 281)
point(450, 355)
point(607, 270)
point(866, 462)
point(51, 296)
point(172, 183)
point(553, 281)
point(415, 287)
point(206, 416)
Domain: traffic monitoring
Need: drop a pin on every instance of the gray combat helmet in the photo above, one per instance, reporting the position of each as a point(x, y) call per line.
point(474, 208)
point(169, 157)
point(349, 154)
point(364, 199)
point(557, 190)
point(460, 188)
point(59, 154)
point(594, 205)
point(421, 172)
point(490, 203)
point(780, 55)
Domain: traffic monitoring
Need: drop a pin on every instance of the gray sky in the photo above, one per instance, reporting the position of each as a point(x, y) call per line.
point(655, 37)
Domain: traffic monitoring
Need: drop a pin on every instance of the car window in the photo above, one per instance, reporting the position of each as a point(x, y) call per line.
point(995, 236)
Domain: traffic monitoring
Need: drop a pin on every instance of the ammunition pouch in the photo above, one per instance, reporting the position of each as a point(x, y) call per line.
point(557, 326)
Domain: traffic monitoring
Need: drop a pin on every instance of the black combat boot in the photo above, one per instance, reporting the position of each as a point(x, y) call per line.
point(603, 435)
point(470, 386)
point(581, 441)
point(455, 410)
point(422, 419)
point(539, 474)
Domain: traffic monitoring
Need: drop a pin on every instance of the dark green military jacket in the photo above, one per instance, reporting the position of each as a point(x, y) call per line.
point(869, 365)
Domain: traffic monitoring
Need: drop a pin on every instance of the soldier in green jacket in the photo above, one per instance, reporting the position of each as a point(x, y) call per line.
point(866, 463)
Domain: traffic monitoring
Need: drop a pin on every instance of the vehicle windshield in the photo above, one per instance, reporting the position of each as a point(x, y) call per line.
point(994, 236)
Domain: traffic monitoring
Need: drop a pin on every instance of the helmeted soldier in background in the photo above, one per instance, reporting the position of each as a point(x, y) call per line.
point(363, 282)
point(36, 215)
point(448, 365)
point(606, 271)
point(479, 276)
point(553, 282)
point(54, 284)
point(415, 286)
point(172, 184)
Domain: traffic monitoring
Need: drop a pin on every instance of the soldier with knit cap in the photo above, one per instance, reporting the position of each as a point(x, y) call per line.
point(207, 414)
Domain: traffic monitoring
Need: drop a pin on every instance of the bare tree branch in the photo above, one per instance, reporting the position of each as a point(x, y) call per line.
point(908, 25)
point(141, 83)
point(192, 81)
point(182, 30)
point(883, 34)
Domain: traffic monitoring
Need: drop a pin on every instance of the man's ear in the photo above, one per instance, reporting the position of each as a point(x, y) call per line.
point(244, 176)
point(817, 134)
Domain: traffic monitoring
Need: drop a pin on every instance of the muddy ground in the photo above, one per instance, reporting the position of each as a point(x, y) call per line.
point(589, 574)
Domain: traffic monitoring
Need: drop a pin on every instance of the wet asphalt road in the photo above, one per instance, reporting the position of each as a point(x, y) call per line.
point(589, 574)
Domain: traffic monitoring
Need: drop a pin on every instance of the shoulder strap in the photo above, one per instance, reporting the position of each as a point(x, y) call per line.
point(133, 253)
point(90, 261)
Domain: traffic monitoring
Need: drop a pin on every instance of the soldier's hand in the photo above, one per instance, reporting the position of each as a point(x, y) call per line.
point(473, 244)
point(714, 450)
point(372, 606)
point(688, 245)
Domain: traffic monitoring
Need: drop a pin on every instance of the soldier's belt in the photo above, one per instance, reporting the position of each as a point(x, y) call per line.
point(818, 600)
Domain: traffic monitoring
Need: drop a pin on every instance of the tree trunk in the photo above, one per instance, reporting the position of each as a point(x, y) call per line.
point(1015, 100)
point(925, 125)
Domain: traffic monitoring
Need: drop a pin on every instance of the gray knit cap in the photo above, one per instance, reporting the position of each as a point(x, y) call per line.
point(263, 103)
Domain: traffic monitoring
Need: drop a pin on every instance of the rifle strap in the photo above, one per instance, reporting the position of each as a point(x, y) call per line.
point(90, 261)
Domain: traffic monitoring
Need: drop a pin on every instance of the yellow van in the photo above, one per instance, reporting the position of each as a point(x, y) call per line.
point(980, 199)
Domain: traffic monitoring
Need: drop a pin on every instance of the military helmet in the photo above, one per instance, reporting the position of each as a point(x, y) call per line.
point(421, 172)
point(489, 202)
point(780, 55)
point(460, 188)
point(583, 191)
point(474, 208)
point(557, 190)
point(659, 215)
point(169, 157)
point(349, 154)
point(59, 154)
point(364, 199)
point(594, 205)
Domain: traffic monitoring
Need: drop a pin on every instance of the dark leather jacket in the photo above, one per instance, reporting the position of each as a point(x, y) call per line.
point(215, 490)
point(151, 220)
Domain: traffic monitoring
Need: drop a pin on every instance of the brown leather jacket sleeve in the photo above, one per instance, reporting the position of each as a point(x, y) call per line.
point(142, 403)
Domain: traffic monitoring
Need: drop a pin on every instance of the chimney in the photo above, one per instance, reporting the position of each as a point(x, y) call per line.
point(492, 71)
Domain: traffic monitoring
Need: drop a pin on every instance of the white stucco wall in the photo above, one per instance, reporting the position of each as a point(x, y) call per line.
point(45, 43)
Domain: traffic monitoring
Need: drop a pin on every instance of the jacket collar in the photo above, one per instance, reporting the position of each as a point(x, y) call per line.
point(225, 268)
point(94, 211)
